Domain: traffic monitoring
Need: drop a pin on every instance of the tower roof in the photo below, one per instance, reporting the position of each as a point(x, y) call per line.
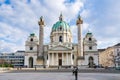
point(32, 34)
point(89, 34)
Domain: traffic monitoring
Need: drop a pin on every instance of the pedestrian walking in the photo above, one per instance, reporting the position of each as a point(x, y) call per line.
point(75, 72)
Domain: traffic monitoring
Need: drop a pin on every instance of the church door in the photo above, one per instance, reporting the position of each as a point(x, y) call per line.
point(60, 62)
point(59, 59)
point(30, 62)
point(91, 62)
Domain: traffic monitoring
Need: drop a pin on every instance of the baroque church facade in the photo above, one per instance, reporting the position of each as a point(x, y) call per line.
point(61, 51)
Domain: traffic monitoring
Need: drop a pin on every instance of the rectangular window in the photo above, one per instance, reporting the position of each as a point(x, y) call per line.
point(117, 50)
point(118, 54)
point(73, 48)
point(59, 55)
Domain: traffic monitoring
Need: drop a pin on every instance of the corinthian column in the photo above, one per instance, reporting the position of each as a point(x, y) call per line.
point(79, 23)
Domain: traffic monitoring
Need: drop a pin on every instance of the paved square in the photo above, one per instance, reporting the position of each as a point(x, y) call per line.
point(58, 76)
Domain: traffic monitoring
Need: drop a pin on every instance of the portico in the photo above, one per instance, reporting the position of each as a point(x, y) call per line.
point(58, 58)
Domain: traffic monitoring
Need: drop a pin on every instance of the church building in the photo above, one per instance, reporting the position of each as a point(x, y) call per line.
point(61, 51)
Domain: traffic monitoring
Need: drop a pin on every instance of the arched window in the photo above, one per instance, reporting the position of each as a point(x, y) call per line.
point(31, 39)
point(60, 39)
point(90, 39)
point(60, 28)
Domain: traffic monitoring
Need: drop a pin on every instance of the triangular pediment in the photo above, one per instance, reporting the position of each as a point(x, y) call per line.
point(59, 47)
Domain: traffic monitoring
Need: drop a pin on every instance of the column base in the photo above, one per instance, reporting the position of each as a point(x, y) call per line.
point(40, 60)
point(80, 58)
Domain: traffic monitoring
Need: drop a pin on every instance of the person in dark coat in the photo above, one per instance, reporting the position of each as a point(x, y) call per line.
point(75, 72)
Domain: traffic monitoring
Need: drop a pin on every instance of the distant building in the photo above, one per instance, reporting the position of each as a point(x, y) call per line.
point(110, 57)
point(99, 51)
point(16, 59)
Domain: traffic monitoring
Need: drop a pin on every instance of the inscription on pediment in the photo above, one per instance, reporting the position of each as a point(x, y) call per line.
point(59, 48)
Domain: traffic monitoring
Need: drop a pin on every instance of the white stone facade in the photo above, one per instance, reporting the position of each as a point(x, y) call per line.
point(90, 50)
point(31, 51)
point(61, 52)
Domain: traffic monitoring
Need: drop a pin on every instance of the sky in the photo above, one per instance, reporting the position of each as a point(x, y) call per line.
point(19, 18)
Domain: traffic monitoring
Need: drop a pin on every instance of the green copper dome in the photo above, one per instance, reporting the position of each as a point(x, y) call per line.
point(60, 25)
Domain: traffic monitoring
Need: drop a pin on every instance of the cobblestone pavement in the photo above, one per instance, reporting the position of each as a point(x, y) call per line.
point(58, 76)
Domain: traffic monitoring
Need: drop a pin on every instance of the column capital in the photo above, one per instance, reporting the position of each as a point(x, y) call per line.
point(79, 20)
point(41, 21)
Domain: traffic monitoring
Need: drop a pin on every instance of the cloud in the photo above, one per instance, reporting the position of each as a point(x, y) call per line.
point(107, 42)
point(11, 39)
point(10, 47)
point(85, 13)
point(19, 18)
point(8, 33)
point(2, 1)
point(103, 21)
point(74, 31)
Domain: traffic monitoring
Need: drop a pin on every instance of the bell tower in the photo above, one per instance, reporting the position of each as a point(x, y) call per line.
point(31, 49)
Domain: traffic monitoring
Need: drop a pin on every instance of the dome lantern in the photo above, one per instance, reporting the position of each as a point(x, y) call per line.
point(61, 17)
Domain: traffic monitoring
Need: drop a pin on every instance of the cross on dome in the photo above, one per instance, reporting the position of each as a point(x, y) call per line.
point(61, 17)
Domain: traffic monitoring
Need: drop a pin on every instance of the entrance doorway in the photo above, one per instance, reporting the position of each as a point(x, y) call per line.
point(31, 62)
point(60, 62)
point(91, 62)
point(59, 59)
